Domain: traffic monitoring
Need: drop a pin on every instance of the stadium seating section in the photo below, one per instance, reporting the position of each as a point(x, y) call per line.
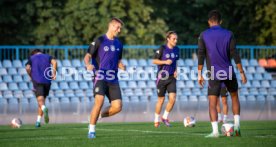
point(16, 88)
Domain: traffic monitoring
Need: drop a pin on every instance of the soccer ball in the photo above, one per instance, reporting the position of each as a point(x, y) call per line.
point(227, 129)
point(16, 123)
point(189, 121)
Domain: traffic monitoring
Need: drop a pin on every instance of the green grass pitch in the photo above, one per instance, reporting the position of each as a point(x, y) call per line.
point(254, 133)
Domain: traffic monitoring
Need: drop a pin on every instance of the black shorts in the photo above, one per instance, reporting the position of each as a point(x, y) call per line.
point(214, 86)
point(111, 90)
point(166, 85)
point(223, 92)
point(41, 89)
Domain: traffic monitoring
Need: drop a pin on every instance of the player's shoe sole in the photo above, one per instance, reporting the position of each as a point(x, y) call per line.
point(37, 124)
point(91, 135)
point(166, 122)
point(156, 124)
point(212, 135)
point(46, 116)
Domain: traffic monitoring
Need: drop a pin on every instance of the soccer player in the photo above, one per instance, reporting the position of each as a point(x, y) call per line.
point(223, 94)
point(218, 45)
point(166, 58)
point(42, 69)
point(106, 52)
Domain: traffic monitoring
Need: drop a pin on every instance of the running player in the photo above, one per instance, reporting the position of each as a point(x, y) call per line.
point(106, 51)
point(166, 58)
point(41, 73)
point(218, 45)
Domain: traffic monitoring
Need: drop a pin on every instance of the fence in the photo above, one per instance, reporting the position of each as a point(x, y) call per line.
point(130, 51)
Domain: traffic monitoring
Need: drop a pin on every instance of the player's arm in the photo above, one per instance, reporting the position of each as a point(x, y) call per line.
point(175, 72)
point(201, 59)
point(235, 55)
point(28, 68)
point(54, 68)
point(92, 49)
point(157, 58)
point(121, 65)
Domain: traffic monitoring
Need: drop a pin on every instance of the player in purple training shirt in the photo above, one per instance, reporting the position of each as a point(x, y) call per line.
point(166, 58)
point(41, 73)
point(218, 46)
point(106, 52)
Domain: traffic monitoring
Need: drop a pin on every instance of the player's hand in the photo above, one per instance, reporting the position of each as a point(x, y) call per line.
point(243, 78)
point(122, 66)
point(175, 74)
point(168, 62)
point(54, 77)
point(201, 81)
point(89, 67)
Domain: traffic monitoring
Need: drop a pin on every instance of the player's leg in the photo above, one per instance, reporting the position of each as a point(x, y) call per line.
point(232, 87)
point(40, 102)
point(213, 94)
point(218, 110)
point(99, 92)
point(115, 99)
point(224, 108)
point(161, 90)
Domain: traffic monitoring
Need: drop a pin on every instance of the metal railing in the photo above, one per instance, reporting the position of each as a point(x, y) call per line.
point(21, 52)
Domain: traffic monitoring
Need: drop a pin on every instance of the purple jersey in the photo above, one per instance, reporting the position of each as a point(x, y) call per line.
point(165, 53)
point(40, 68)
point(218, 45)
point(106, 55)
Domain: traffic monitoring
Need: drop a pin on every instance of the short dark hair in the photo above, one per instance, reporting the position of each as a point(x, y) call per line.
point(168, 34)
point(35, 51)
point(214, 16)
point(117, 20)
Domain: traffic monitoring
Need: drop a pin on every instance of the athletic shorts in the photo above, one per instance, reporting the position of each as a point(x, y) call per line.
point(111, 90)
point(166, 85)
point(41, 89)
point(223, 92)
point(214, 86)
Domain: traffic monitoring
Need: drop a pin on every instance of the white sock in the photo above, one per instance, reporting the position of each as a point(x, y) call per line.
point(165, 115)
point(43, 107)
point(156, 118)
point(237, 120)
point(215, 127)
point(92, 128)
point(219, 117)
point(224, 118)
point(38, 119)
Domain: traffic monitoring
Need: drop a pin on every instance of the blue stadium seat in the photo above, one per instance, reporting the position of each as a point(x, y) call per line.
point(133, 62)
point(17, 78)
point(180, 84)
point(54, 100)
point(69, 93)
point(66, 63)
point(148, 92)
point(18, 94)
point(260, 98)
point(7, 64)
point(26, 78)
point(273, 83)
point(76, 63)
point(267, 76)
point(244, 91)
point(143, 99)
point(29, 94)
point(190, 84)
point(134, 99)
point(24, 101)
point(7, 94)
point(3, 71)
point(263, 91)
point(193, 98)
point(59, 93)
point(63, 85)
point(251, 69)
point(180, 62)
point(244, 62)
point(128, 92)
point(17, 63)
point(203, 98)
point(138, 92)
point(189, 62)
point(54, 86)
point(253, 91)
point(196, 91)
point(125, 62)
point(150, 62)
point(253, 62)
point(7, 78)
point(22, 71)
point(151, 84)
point(3, 86)
point(59, 64)
point(142, 84)
point(256, 84)
point(31, 86)
point(268, 97)
point(13, 86)
point(84, 85)
point(251, 98)
point(260, 69)
point(242, 98)
point(247, 85)
point(132, 84)
point(79, 93)
point(258, 76)
point(186, 91)
point(75, 100)
point(13, 101)
point(73, 85)
point(24, 62)
point(142, 62)
point(183, 98)
point(12, 71)
point(249, 76)
point(3, 101)
point(265, 83)
point(65, 100)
